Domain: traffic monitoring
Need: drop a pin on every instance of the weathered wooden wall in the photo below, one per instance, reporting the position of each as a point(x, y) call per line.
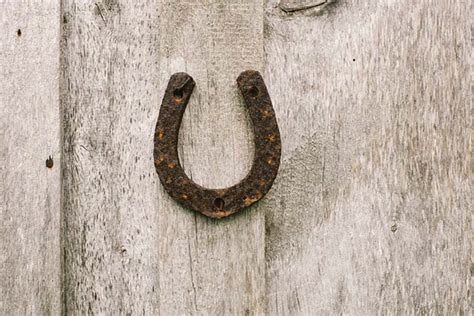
point(370, 213)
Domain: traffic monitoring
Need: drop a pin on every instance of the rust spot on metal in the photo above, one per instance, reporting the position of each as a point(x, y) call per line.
point(218, 203)
point(249, 200)
point(161, 134)
point(266, 113)
point(270, 138)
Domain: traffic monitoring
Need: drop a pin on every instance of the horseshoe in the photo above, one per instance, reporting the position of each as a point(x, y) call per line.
point(217, 203)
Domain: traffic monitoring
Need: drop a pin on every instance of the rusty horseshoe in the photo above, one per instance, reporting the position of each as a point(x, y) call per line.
point(217, 203)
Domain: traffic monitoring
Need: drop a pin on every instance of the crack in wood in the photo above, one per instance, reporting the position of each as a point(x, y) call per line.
point(291, 6)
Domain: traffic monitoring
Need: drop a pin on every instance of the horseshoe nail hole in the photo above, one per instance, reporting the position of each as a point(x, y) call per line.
point(178, 94)
point(219, 203)
point(253, 91)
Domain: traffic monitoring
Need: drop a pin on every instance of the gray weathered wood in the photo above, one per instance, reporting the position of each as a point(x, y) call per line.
point(29, 135)
point(370, 213)
point(211, 267)
point(110, 102)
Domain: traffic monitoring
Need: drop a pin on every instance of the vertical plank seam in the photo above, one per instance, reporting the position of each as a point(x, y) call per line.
point(61, 87)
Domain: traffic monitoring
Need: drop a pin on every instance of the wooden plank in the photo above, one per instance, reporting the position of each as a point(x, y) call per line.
point(211, 267)
point(29, 135)
point(110, 104)
point(370, 213)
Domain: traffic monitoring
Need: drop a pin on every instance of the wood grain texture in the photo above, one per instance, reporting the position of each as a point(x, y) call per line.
point(370, 213)
point(371, 210)
point(109, 103)
point(29, 135)
point(211, 267)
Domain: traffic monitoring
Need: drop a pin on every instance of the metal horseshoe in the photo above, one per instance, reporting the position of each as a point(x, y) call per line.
point(217, 203)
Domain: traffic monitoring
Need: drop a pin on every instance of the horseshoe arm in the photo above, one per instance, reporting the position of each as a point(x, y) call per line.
point(217, 203)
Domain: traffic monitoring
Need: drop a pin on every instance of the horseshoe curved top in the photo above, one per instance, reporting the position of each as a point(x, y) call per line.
point(217, 203)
